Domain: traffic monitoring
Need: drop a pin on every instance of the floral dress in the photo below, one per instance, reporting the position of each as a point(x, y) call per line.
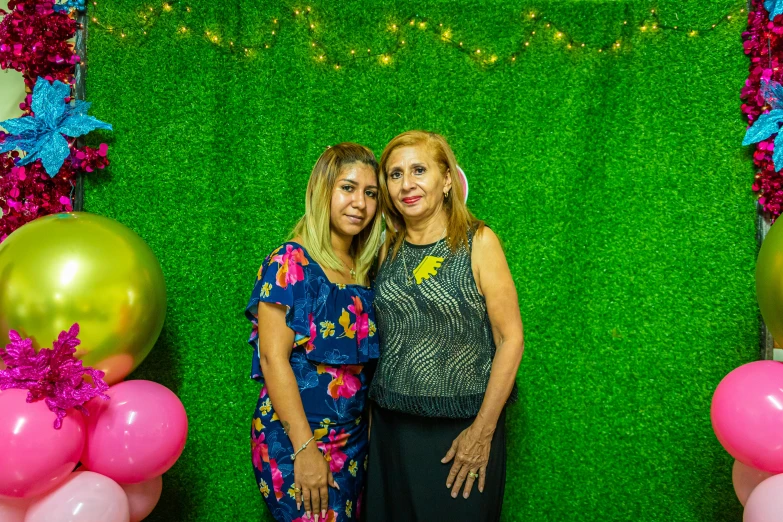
point(335, 336)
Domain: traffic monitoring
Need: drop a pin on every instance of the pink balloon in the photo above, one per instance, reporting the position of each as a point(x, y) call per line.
point(142, 497)
point(84, 497)
point(13, 509)
point(137, 435)
point(747, 415)
point(35, 457)
point(745, 479)
point(765, 504)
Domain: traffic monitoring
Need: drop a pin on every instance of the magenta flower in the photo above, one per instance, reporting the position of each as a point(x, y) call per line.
point(52, 374)
point(362, 324)
point(259, 449)
point(291, 263)
point(331, 450)
point(343, 384)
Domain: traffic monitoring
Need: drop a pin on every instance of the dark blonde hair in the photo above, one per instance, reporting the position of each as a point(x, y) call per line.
point(315, 226)
point(460, 220)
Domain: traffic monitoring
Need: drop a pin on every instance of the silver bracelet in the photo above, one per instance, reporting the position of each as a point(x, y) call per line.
point(293, 455)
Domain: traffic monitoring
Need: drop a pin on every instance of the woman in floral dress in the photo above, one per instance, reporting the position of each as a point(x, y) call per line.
point(313, 335)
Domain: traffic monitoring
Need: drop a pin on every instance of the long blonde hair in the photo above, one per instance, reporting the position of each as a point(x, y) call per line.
point(315, 226)
point(460, 220)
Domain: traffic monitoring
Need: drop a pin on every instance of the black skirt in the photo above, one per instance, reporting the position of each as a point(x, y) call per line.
point(406, 480)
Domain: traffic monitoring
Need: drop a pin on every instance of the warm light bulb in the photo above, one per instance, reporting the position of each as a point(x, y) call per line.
point(478, 51)
point(558, 35)
point(527, 43)
point(166, 7)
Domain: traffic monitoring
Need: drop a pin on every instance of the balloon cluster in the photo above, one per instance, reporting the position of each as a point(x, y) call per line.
point(59, 270)
point(747, 406)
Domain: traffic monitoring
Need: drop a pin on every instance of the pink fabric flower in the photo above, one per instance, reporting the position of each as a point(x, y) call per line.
point(310, 346)
point(258, 449)
point(331, 450)
point(362, 324)
point(343, 383)
point(291, 263)
point(277, 479)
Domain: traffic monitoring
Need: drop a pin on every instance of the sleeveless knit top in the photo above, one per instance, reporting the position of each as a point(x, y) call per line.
point(436, 338)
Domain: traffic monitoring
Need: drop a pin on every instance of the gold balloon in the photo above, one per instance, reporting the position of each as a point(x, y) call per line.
point(83, 268)
point(769, 279)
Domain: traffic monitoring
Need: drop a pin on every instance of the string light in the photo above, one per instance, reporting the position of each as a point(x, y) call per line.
point(651, 24)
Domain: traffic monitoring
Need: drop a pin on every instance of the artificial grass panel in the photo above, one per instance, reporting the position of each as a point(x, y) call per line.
point(616, 180)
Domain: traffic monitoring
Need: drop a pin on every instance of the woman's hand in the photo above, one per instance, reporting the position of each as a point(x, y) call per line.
point(470, 451)
point(311, 477)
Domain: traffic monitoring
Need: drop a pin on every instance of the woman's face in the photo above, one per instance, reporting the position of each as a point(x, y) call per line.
point(416, 184)
point(354, 199)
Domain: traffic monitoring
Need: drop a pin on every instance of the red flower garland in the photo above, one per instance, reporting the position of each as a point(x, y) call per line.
point(763, 43)
point(34, 41)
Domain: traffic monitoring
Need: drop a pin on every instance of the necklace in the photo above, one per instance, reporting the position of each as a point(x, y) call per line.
point(409, 275)
point(351, 269)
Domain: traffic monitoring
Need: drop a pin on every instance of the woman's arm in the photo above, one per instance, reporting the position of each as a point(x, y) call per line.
point(311, 471)
point(493, 278)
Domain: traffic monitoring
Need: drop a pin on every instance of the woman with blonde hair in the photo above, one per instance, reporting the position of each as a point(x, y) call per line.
point(451, 344)
point(313, 333)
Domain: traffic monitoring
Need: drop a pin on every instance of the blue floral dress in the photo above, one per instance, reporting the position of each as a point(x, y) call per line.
point(335, 336)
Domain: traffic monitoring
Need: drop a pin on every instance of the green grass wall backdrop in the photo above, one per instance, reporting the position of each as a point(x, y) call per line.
point(616, 180)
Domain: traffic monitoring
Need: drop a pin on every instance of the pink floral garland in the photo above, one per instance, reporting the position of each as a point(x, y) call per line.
point(763, 42)
point(34, 41)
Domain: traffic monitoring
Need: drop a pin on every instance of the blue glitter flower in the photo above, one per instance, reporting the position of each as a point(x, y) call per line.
point(42, 136)
point(68, 5)
point(773, 7)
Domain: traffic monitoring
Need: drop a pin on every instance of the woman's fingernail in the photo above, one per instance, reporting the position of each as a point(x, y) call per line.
point(316, 518)
point(454, 494)
point(448, 484)
point(465, 495)
point(323, 514)
point(307, 514)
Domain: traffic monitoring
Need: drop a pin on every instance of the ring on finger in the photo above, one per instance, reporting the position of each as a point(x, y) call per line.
point(473, 474)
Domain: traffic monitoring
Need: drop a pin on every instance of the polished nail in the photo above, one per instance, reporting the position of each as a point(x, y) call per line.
point(316, 518)
point(323, 514)
point(448, 484)
point(453, 494)
point(307, 514)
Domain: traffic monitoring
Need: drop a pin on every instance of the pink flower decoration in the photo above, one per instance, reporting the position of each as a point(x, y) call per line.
point(362, 325)
point(52, 374)
point(291, 263)
point(331, 450)
point(344, 384)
